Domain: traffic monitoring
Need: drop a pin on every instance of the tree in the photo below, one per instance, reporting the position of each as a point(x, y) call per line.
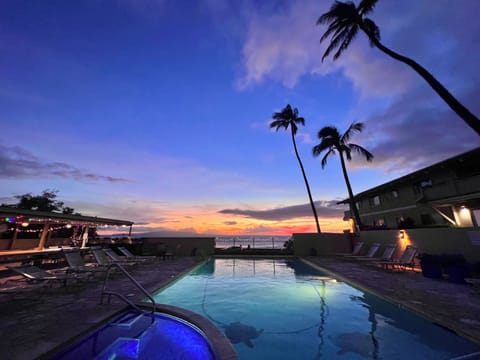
point(344, 20)
point(286, 118)
point(332, 142)
point(44, 202)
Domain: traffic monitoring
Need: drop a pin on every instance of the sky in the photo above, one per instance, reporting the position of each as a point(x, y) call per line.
point(158, 111)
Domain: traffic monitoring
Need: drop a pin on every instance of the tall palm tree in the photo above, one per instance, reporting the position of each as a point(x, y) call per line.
point(344, 19)
point(288, 117)
point(332, 142)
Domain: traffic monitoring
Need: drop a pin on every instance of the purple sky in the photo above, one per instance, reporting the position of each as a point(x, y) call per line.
point(157, 111)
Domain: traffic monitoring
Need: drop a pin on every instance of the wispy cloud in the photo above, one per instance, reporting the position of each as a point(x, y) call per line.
point(324, 208)
point(17, 162)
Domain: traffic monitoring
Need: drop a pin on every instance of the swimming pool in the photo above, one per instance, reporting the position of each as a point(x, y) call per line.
point(146, 335)
point(285, 309)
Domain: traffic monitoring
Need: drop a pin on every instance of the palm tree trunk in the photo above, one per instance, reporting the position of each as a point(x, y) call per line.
point(454, 104)
point(312, 204)
point(353, 207)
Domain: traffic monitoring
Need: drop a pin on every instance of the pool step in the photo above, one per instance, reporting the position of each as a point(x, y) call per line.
point(128, 319)
point(128, 348)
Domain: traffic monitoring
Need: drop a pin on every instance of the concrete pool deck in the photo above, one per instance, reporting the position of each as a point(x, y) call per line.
point(32, 325)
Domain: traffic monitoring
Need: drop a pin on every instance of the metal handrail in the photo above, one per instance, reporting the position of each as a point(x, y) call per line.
point(135, 282)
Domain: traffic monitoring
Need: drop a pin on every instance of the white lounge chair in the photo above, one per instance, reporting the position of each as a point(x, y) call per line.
point(386, 255)
point(369, 255)
point(407, 260)
point(356, 250)
point(134, 257)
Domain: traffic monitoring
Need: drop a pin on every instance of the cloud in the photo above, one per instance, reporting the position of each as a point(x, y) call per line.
point(230, 222)
point(282, 47)
point(324, 209)
point(18, 163)
point(371, 75)
point(413, 132)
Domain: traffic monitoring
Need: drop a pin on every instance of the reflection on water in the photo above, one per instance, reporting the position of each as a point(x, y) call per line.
point(284, 309)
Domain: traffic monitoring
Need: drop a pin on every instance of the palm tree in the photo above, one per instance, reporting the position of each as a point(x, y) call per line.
point(288, 117)
point(332, 142)
point(344, 19)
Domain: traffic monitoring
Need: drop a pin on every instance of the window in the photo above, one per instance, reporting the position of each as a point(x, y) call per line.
point(426, 183)
point(419, 186)
point(395, 194)
point(379, 222)
point(358, 204)
point(375, 201)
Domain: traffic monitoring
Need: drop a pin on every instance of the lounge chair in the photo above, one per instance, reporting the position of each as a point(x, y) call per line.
point(370, 253)
point(119, 259)
point(35, 274)
point(103, 259)
point(134, 257)
point(386, 255)
point(356, 250)
point(407, 260)
point(77, 264)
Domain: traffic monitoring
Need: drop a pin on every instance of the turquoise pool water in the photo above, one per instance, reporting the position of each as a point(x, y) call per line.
point(285, 309)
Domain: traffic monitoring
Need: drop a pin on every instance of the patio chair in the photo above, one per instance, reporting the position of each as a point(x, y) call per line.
point(35, 274)
point(356, 250)
point(134, 257)
point(386, 255)
point(407, 260)
point(77, 264)
point(369, 255)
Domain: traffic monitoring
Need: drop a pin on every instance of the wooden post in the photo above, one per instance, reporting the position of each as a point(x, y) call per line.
point(43, 237)
point(85, 237)
point(14, 238)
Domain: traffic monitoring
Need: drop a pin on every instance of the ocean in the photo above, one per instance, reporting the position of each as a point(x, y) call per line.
point(255, 242)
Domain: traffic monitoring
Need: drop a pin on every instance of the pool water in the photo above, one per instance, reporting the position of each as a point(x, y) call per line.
point(285, 309)
point(147, 335)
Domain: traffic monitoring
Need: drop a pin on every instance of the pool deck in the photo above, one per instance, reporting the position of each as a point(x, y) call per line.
point(36, 322)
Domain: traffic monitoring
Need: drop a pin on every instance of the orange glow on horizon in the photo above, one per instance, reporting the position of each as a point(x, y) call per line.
point(214, 223)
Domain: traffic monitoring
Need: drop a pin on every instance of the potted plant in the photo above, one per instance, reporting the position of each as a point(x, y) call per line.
point(431, 265)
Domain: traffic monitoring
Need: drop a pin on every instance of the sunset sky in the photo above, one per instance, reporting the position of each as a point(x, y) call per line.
point(157, 111)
